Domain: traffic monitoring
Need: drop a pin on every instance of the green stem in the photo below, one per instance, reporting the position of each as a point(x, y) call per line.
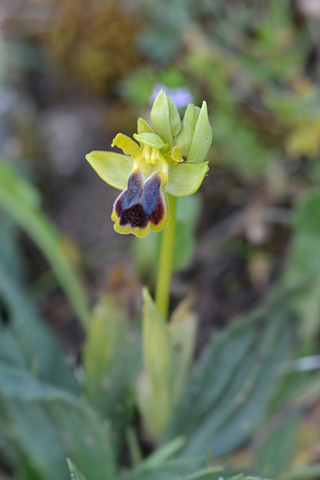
point(165, 262)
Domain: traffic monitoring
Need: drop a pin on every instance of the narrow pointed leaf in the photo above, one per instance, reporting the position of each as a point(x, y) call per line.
point(156, 342)
point(20, 200)
point(74, 471)
point(233, 383)
point(182, 329)
point(154, 394)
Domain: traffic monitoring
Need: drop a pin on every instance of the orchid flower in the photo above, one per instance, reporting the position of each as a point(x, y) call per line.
point(168, 159)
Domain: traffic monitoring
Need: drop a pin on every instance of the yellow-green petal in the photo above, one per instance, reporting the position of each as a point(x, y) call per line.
point(127, 145)
point(150, 139)
point(113, 168)
point(202, 137)
point(186, 178)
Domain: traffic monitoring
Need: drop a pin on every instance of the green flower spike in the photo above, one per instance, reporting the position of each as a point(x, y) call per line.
point(148, 171)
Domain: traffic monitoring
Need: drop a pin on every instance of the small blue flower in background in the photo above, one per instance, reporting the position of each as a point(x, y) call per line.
point(180, 95)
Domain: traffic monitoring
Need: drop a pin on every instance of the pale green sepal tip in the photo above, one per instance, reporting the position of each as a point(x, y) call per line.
point(160, 117)
point(151, 139)
point(113, 168)
point(202, 137)
point(174, 117)
point(143, 127)
point(186, 178)
point(184, 139)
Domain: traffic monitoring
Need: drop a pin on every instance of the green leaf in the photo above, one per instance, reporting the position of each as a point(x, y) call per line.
point(278, 447)
point(186, 178)
point(74, 471)
point(165, 452)
point(242, 477)
point(19, 384)
point(112, 360)
point(32, 345)
point(49, 424)
point(10, 254)
point(10, 350)
point(106, 333)
point(20, 200)
point(191, 468)
point(154, 395)
point(113, 168)
point(156, 343)
point(306, 215)
point(49, 431)
point(233, 382)
point(305, 472)
point(183, 329)
point(303, 263)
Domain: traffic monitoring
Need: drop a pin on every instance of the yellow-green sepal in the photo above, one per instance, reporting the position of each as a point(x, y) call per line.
point(202, 137)
point(174, 117)
point(165, 118)
point(113, 168)
point(189, 122)
point(185, 178)
point(143, 126)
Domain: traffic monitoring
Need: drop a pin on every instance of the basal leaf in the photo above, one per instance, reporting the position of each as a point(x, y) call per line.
point(20, 200)
point(232, 383)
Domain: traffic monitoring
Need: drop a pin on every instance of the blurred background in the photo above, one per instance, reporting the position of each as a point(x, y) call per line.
point(74, 73)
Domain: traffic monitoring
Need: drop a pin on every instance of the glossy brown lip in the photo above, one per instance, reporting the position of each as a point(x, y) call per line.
point(141, 202)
